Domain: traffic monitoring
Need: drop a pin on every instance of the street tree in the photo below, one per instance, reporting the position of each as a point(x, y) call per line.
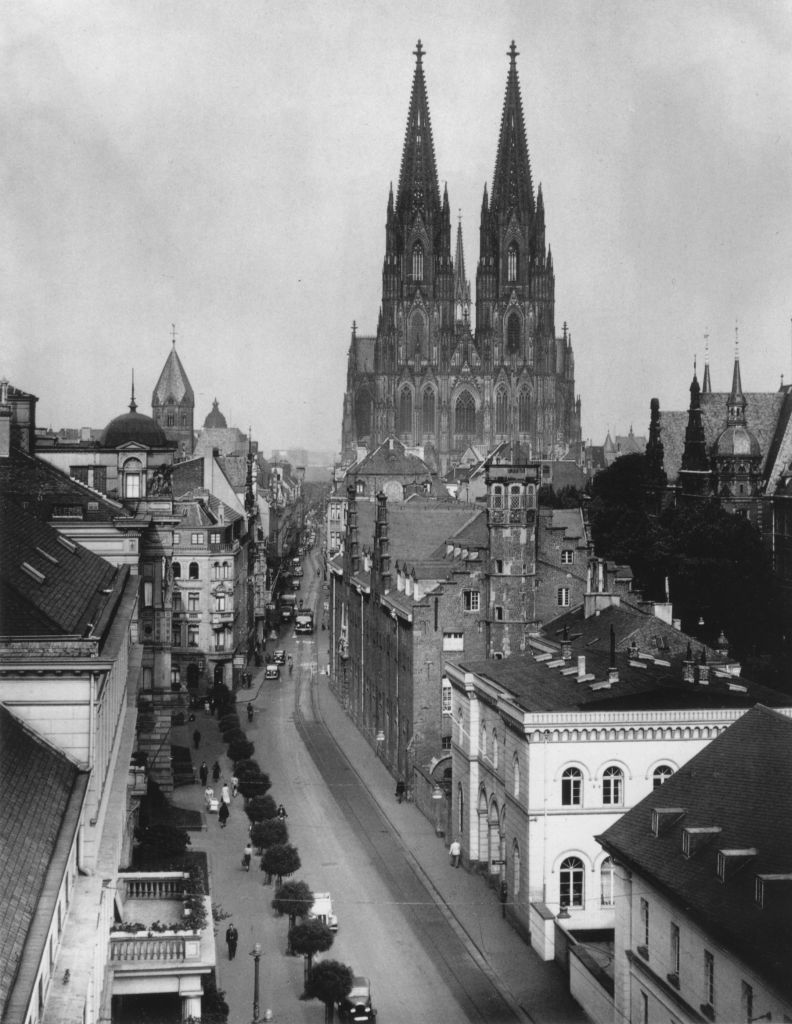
point(261, 808)
point(308, 938)
point(294, 899)
point(329, 981)
point(280, 860)
point(270, 832)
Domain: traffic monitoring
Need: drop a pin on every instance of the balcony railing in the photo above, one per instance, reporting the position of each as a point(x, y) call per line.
point(125, 948)
point(152, 885)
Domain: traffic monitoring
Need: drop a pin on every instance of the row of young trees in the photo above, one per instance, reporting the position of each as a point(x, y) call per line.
point(328, 981)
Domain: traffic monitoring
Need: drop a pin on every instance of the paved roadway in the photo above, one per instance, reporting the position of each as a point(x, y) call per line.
point(433, 945)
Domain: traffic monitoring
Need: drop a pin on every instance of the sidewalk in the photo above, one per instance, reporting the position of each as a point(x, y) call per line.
point(538, 988)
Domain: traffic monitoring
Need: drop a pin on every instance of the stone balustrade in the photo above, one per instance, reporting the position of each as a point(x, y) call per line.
point(152, 885)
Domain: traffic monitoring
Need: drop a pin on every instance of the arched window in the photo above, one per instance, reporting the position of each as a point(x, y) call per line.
point(494, 748)
point(465, 415)
point(498, 491)
point(512, 261)
point(524, 411)
point(513, 334)
point(176, 569)
point(193, 571)
point(417, 262)
point(660, 774)
point(571, 879)
point(216, 571)
point(516, 872)
point(613, 786)
point(429, 411)
point(133, 478)
point(516, 774)
point(572, 787)
point(460, 809)
point(418, 334)
point(226, 571)
point(405, 411)
point(483, 740)
point(606, 883)
point(501, 411)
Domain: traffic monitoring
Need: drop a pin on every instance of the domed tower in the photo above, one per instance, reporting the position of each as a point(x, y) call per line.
point(215, 420)
point(737, 456)
point(173, 403)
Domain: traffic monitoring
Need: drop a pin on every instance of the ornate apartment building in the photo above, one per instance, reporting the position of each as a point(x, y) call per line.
point(429, 375)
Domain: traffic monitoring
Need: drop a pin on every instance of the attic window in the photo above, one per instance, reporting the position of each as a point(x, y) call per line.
point(67, 512)
point(66, 543)
point(694, 838)
point(39, 577)
point(47, 555)
point(763, 883)
point(664, 817)
point(730, 861)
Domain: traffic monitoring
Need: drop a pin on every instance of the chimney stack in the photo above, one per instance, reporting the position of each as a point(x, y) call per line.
point(613, 672)
point(566, 645)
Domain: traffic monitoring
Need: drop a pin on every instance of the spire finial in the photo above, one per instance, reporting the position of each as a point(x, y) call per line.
point(695, 357)
point(132, 403)
point(706, 344)
point(736, 340)
point(513, 53)
point(173, 333)
point(419, 52)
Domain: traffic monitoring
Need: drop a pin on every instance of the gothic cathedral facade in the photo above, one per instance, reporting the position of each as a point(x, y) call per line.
point(430, 376)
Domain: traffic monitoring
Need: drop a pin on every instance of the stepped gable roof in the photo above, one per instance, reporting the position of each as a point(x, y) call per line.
point(539, 686)
point(173, 387)
point(41, 488)
point(50, 585)
point(738, 783)
point(215, 420)
point(43, 791)
point(762, 414)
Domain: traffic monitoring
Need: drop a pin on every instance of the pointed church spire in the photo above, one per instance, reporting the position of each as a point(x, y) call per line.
point(132, 402)
point(461, 284)
point(418, 184)
point(694, 476)
point(512, 186)
point(706, 387)
point(735, 405)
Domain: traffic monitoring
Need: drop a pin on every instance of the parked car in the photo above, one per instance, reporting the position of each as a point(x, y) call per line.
point(279, 657)
point(272, 671)
point(357, 1005)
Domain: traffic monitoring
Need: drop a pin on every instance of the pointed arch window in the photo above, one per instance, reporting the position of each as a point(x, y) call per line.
point(418, 334)
point(524, 411)
point(516, 868)
point(513, 334)
point(501, 411)
point(429, 411)
point(417, 262)
point(465, 415)
point(512, 262)
point(405, 411)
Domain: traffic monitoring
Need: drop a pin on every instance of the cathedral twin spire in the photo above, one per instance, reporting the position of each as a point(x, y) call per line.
point(418, 183)
point(512, 186)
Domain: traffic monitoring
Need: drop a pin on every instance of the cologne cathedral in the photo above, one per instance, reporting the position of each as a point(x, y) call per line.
point(432, 376)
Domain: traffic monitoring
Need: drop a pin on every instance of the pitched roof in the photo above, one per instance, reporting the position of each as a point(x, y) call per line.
point(416, 529)
point(39, 813)
point(173, 385)
point(739, 783)
point(41, 488)
point(762, 412)
point(49, 585)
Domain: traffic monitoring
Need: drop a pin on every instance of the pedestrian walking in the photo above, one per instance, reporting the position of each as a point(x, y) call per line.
point(282, 812)
point(208, 796)
point(215, 771)
point(232, 938)
point(197, 738)
point(222, 814)
point(234, 786)
point(454, 853)
point(225, 794)
point(400, 790)
point(246, 857)
point(203, 771)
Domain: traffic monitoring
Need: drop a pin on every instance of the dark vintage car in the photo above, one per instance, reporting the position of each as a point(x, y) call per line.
point(357, 1005)
point(279, 657)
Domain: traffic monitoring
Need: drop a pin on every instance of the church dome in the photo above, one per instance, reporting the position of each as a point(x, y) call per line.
point(133, 426)
point(737, 440)
point(215, 420)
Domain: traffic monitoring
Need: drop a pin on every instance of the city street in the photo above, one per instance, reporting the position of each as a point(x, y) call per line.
point(430, 954)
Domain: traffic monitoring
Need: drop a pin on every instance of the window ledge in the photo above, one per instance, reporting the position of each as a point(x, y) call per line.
point(643, 951)
point(673, 979)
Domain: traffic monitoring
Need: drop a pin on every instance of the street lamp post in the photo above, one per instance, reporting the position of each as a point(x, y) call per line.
point(256, 954)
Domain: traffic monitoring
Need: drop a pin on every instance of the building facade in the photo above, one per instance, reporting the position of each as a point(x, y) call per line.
point(428, 375)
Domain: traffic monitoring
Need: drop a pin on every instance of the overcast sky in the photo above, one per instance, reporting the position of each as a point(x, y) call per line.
point(225, 166)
